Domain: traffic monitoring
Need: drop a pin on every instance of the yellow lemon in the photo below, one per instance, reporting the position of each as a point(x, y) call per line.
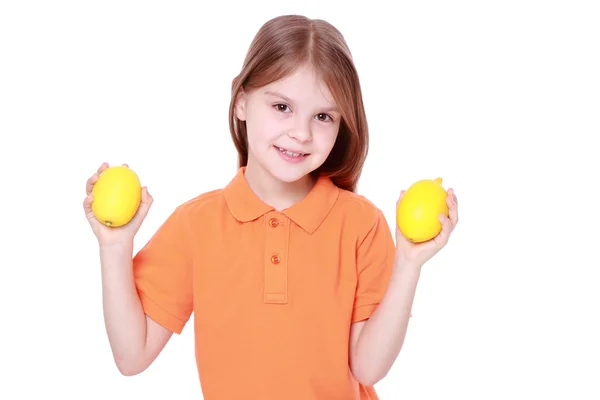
point(418, 210)
point(117, 196)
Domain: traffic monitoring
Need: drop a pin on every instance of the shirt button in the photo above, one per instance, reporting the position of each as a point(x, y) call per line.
point(275, 259)
point(273, 222)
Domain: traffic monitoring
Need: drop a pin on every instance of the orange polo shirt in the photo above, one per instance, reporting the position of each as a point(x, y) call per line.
point(273, 293)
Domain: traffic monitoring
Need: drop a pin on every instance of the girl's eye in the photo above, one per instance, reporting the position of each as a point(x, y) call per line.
point(324, 117)
point(321, 116)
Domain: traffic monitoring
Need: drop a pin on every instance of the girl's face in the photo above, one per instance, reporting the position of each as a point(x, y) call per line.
point(292, 125)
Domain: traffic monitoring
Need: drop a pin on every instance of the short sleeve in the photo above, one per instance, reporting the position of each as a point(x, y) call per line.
point(163, 274)
point(375, 260)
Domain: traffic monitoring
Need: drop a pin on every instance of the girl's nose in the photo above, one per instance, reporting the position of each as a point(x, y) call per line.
point(301, 132)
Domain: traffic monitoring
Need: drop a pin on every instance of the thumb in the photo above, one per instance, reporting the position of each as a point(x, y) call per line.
point(400, 197)
point(144, 207)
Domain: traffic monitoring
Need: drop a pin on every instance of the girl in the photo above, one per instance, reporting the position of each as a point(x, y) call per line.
point(296, 286)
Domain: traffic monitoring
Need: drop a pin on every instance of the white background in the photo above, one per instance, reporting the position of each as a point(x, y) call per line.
point(500, 99)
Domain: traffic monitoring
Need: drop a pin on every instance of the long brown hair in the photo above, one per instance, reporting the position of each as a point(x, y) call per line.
point(280, 46)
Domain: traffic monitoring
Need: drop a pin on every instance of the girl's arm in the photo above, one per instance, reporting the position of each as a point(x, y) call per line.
point(135, 339)
point(376, 342)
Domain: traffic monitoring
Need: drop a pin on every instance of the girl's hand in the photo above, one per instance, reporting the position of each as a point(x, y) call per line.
point(419, 253)
point(123, 234)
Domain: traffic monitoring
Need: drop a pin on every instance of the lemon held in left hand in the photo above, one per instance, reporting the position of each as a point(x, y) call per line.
point(419, 208)
point(116, 196)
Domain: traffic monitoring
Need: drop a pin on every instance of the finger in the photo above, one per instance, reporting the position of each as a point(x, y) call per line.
point(144, 207)
point(449, 201)
point(102, 167)
point(453, 215)
point(126, 165)
point(87, 207)
point(92, 179)
point(146, 197)
point(87, 203)
point(89, 185)
point(452, 209)
point(400, 198)
point(442, 238)
point(452, 195)
point(445, 221)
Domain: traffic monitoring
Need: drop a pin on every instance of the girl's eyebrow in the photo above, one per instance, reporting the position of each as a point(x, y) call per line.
point(277, 94)
point(288, 100)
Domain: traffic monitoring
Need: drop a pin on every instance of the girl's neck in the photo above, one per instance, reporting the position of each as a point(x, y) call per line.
point(280, 195)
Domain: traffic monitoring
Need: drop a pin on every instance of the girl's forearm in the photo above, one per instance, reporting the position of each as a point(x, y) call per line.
point(123, 314)
point(383, 334)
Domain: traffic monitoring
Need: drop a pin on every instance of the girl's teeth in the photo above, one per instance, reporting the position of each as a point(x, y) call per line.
point(289, 153)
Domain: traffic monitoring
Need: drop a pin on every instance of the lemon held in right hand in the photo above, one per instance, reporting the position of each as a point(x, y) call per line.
point(419, 208)
point(117, 196)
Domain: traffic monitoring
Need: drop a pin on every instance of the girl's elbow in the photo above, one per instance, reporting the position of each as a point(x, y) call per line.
point(370, 381)
point(367, 378)
point(128, 370)
point(129, 367)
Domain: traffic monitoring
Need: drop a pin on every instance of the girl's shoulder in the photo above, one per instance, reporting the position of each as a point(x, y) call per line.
point(358, 212)
point(204, 203)
point(357, 204)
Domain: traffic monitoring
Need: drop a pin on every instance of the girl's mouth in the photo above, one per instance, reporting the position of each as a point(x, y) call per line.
point(290, 153)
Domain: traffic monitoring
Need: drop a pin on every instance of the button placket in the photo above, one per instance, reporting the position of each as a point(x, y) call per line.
point(275, 264)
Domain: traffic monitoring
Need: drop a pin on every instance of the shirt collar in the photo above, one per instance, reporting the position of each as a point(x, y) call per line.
point(308, 213)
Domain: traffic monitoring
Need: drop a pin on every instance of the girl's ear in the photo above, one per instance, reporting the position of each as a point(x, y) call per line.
point(240, 106)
